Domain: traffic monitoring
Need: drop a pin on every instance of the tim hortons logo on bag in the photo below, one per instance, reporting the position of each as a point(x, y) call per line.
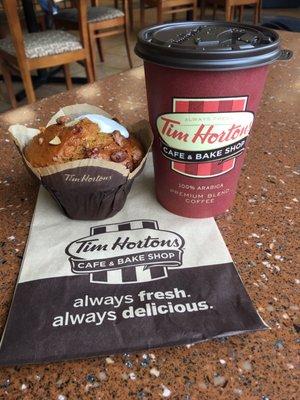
point(128, 252)
point(202, 137)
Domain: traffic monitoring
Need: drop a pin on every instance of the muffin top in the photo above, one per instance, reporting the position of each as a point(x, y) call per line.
point(66, 141)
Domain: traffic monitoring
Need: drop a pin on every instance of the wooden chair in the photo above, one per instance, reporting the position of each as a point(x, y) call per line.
point(102, 22)
point(230, 6)
point(168, 7)
point(25, 52)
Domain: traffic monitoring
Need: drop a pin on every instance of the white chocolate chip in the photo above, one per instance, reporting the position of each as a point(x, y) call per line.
point(132, 376)
point(41, 140)
point(155, 372)
point(55, 141)
point(166, 391)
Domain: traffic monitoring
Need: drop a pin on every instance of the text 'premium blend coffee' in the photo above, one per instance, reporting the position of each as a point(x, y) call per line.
point(90, 288)
point(204, 81)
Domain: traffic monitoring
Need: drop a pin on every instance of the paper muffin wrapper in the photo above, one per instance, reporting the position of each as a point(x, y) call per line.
point(88, 189)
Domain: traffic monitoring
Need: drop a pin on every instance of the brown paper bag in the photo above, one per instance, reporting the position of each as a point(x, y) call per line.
point(141, 279)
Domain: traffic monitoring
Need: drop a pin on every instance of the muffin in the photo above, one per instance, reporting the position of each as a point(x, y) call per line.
point(69, 140)
point(85, 159)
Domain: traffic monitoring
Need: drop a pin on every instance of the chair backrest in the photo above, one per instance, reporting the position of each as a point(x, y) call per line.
point(71, 3)
point(13, 19)
point(83, 25)
point(11, 11)
point(242, 2)
point(65, 3)
point(232, 2)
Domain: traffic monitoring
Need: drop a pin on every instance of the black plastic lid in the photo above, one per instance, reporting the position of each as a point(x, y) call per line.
point(208, 45)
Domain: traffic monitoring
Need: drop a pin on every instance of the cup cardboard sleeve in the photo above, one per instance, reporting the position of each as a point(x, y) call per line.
point(88, 189)
point(141, 279)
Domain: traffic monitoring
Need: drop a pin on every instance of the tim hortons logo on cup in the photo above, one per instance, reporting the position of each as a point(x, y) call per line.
point(128, 252)
point(203, 137)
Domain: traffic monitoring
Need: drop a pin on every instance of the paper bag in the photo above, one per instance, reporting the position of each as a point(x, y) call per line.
point(141, 279)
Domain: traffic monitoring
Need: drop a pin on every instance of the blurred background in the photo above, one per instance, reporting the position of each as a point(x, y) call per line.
point(109, 35)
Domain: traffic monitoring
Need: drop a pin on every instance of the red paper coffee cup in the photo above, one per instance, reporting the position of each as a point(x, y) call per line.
point(204, 82)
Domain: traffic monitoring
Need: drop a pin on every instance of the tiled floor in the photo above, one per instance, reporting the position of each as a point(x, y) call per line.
point(115, 54)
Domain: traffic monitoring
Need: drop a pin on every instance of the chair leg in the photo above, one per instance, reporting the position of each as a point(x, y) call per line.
point(233, 13)
point(159, 13)
point(100, 51)
point(116, 3)
point(9, 86)
point(256, 13)
point(126, 34)
point(90, 74)
point(214, 10)
point(92, 52)
point(174, 15)
point(241, 13)
point(202, 8)
point(195, 10)
point(67, 74)
point(42, 22)
point(228, 12)
point(142, 13)
point(28, 86)
point(130, 12)
point(259, 10)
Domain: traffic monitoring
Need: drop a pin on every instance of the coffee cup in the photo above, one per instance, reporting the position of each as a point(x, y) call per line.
point(204, 81)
